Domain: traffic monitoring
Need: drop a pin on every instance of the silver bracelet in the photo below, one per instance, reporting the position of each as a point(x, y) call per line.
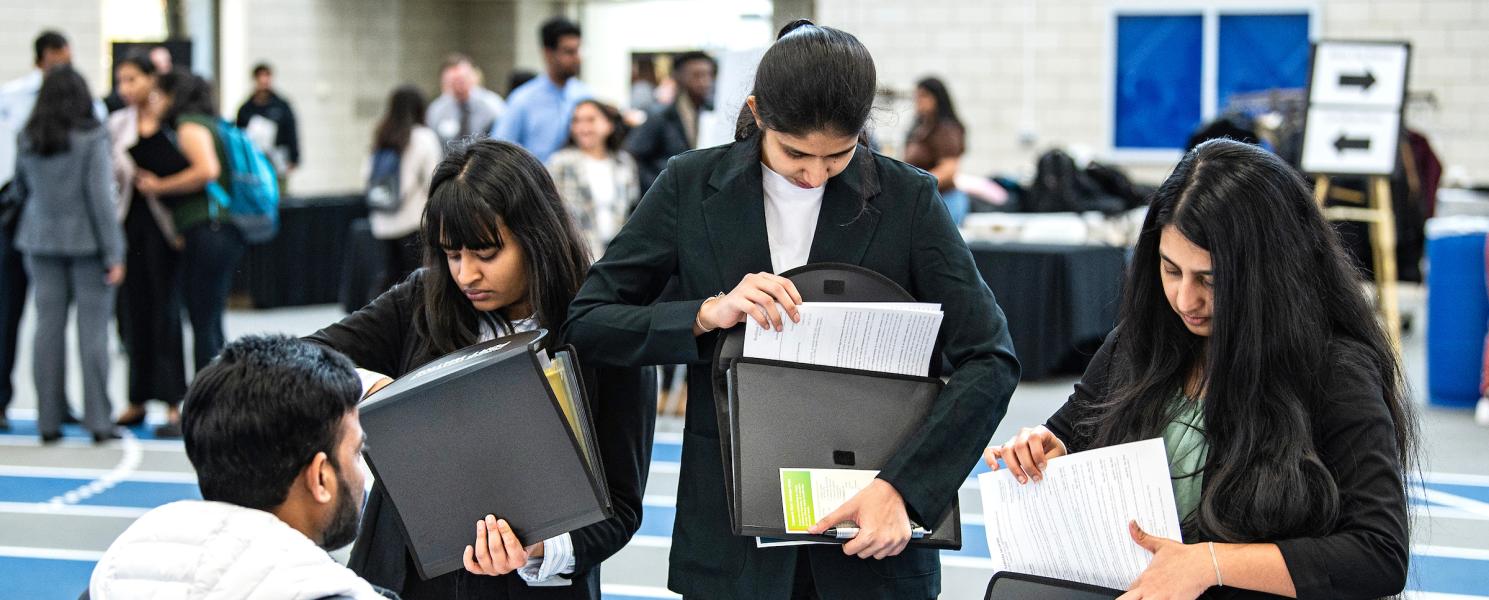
point(698, 320)
point(1216, 561)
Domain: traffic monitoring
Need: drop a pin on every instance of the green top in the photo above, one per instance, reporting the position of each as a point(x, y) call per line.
point(1184, 439)
point(192, 209)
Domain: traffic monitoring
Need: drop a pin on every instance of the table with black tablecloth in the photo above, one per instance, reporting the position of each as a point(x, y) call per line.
point(1060, 301)
point(304, 263)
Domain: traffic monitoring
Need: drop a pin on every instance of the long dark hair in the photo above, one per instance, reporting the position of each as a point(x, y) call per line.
point(62, 106)
point(405, 111)
point(811, 79)
point(189, 94)
point(945, 110)
point(475, 188)
point(617, 137)
point(1287, 311)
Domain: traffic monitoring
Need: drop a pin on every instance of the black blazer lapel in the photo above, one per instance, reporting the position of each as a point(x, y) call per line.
point(848, 219)
point(735, 216)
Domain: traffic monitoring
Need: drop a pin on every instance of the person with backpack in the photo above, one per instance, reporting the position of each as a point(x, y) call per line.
point(404, 155)
point(72, 245)
point(211, 242)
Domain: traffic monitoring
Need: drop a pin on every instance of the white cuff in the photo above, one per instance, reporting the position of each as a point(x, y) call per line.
point(369, 378)
point(557, 559)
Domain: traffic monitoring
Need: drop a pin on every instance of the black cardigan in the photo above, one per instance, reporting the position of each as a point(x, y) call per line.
point(381, 338)
point(1365, 555)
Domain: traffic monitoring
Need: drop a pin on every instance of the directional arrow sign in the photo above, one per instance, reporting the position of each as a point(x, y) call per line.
point(1361, 81)
point(1360, 141)
point(1347, 143)
point(1359, 73)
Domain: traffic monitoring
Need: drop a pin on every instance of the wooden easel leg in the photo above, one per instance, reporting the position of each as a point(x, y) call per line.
point(1383, 246)
point(1320, 190)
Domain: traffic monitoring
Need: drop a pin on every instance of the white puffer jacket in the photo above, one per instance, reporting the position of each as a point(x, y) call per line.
point(196, 550)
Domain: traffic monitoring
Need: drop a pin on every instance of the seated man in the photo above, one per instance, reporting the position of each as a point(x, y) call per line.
point(271, 428)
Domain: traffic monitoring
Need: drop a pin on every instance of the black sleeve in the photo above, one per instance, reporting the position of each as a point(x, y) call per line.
point(245, 114)
point(930, 467)
point(643, 145)
point(613, 321)
point(1092, 388)
point(623, 402)
point(1366, 555)
point(289, 135)
point(374, 336)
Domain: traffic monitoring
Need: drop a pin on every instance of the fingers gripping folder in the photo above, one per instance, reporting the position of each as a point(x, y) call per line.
point(775, 414)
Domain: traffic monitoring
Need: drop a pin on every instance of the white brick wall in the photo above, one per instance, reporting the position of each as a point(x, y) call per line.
point(79, 20)
point(977, 47)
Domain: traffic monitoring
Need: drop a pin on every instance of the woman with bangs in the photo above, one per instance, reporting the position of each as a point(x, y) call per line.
point(1245, 343)
point(500, 257)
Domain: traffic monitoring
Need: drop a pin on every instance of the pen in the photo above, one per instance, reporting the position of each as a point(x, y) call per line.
point(848, 533)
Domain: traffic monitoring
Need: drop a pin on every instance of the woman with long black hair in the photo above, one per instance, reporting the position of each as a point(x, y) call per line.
point(415, 151)
point(1245, 343)
point(796, 187)
point(500, 256)
point(72, 244)
point(937, 141)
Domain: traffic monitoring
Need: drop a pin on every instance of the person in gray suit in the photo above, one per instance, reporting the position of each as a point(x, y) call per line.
point(72, 244)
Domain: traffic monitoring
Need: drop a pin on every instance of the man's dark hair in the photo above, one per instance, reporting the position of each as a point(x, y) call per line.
point(262, 68)
point(555, 29)
point(257, 415)
point(690, 56)
point(49, 41)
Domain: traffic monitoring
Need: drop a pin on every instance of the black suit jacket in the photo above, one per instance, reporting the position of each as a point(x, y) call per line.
point(381, 337)
point(704, 223)
point(655, 142)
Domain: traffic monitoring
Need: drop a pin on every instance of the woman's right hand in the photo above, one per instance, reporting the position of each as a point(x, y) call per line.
point(755, 297)
point(1027, 454)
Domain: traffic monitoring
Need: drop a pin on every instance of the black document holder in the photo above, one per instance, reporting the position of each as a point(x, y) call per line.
point(479, 432)
point(775, 414)
point(1007, 585)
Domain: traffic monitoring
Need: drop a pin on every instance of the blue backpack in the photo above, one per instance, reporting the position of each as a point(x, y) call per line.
point(252, 195)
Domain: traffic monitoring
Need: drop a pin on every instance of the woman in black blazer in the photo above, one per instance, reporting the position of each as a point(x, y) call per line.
point(501, 256)
point(1246, 345)
point(797, 188)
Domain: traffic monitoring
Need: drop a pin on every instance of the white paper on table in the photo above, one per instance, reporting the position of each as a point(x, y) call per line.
point(888, 337)
point(1072, 525)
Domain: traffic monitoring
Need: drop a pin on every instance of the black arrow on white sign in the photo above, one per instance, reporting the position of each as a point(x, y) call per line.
point(1347, 143)
point(1361, 81)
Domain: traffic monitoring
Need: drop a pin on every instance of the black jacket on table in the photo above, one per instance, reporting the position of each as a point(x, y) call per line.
point(704, 223)
point(1365, 556)
point(381, 338)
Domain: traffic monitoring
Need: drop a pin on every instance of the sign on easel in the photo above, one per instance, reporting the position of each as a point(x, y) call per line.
point(1355, 94)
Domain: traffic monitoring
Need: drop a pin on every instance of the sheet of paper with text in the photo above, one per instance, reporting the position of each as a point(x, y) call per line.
point(1072, 525)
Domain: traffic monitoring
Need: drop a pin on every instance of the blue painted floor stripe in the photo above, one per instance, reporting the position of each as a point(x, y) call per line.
point(45, 578)
point(133, 494)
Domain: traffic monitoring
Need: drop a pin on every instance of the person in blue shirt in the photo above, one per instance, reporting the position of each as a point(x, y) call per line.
point(537, 116)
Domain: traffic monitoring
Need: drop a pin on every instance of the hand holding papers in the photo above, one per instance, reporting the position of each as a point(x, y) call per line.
point(1073, 523)
point(888, 337)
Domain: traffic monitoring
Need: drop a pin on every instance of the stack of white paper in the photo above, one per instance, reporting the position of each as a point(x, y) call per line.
point(1072, 525)
point(888, 337)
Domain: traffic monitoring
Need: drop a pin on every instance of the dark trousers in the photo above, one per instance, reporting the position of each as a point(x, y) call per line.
point(405, 255)
point(212, 253)
point(150, 311)
point(13, 285)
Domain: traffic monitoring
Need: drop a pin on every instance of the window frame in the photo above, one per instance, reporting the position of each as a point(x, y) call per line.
point(1209, 12)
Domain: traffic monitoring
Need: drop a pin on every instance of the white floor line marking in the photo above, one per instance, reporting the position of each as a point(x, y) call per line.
point(86, 473)
point(1455, 478)
point(1450, 552)
point(34, 508)
point(644, 591)
point(50, 553)
point(26, 441)
point(128, 463)
point(1468, 505)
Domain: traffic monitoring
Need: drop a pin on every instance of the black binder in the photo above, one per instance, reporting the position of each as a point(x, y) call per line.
point(773, 414)
point(1007, 585)
point(482, 431)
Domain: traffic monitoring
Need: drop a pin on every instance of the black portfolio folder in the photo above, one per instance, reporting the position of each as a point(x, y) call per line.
point(775, 415)
point(1007, 585)
point(496, 428)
